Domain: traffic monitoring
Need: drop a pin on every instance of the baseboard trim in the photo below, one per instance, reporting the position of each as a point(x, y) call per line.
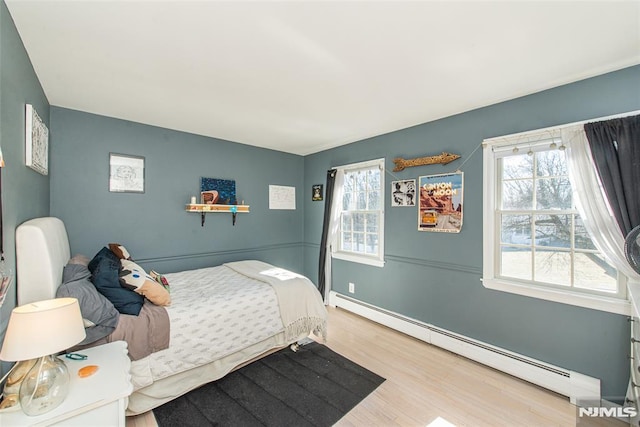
point(569, 383)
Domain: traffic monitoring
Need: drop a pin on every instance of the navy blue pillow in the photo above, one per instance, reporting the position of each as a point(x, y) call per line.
point(104, 268)
point(105, 253)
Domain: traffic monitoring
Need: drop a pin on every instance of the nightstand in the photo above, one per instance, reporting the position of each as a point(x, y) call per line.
point(98, 400)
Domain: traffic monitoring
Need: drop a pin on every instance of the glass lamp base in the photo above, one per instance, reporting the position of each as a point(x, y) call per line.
point(45, 386)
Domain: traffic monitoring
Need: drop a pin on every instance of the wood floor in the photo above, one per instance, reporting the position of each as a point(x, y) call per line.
point(428, 386)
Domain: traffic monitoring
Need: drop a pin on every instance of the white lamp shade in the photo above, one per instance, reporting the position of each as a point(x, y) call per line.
point(41, 328)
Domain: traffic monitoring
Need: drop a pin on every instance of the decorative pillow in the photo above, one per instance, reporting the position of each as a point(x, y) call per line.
point(119, 250)
point(104, 253)
point(98, 313)
point(80, 260)
point(160, 279)
point(104, 268)
point(135, 278)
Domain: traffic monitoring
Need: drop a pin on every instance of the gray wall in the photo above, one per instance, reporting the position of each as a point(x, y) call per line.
point(25, 193)
point(435, 277)
point(154, 226)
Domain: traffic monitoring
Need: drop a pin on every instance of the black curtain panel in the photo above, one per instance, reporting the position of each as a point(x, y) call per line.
point(615, 147)
point(328, 202)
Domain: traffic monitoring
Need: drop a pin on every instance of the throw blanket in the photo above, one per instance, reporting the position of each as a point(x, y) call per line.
point(292, 290)
point(145, 334)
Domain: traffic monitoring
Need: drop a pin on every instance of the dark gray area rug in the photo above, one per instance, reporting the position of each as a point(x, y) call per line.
point(311, 387)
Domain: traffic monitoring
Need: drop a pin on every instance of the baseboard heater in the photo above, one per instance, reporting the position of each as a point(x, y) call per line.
point(568, 383)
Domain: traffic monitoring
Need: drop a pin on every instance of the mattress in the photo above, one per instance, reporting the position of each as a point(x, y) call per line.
point(214, 312)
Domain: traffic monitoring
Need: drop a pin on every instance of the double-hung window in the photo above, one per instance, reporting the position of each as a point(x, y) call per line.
point(535, 242)
point(360, 236)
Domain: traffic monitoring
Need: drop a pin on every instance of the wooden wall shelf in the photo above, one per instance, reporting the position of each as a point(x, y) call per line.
point(204, 208)
point(198, 207)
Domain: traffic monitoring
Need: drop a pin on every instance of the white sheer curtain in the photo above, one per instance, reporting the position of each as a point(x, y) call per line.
point(591, 202)
point(334, 226)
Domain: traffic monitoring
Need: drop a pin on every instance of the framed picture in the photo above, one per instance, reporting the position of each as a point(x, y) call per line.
point(316, 192)
point(403, 193)
point(36, 141)
point(440, 203)
point(126, 173)
point(218, 191)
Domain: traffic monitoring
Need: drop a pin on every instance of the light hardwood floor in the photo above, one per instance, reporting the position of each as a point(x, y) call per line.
point(428, 386)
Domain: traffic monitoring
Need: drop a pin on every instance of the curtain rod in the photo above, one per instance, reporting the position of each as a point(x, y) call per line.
point(551, 129)
point(359, 164)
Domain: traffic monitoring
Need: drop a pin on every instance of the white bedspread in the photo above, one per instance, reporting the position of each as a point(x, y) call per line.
point(220, 310)
point(214, 312)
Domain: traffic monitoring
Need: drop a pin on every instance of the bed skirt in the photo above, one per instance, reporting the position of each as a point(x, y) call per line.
point(167, 389)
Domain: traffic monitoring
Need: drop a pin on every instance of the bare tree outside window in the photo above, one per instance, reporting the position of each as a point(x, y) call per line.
point(543, 238)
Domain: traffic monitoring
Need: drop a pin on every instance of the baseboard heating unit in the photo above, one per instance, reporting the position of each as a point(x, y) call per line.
point(572, 384)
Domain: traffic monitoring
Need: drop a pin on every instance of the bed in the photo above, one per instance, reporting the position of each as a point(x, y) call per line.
point(219, 318)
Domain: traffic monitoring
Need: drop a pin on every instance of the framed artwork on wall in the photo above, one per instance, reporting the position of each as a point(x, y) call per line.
point(403, 193)
point(126, 173)
point(316, 193)
point(440, 207)
point(218, 191)
point(36, 141)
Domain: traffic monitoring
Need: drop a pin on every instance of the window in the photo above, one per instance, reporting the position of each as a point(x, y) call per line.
point(535, 242)
point(360, 236)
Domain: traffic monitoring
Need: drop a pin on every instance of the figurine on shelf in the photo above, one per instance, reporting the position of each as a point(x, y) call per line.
point(210, 197)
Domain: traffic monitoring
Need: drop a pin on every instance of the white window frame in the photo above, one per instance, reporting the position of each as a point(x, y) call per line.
point(491, 239)
point(373, 260)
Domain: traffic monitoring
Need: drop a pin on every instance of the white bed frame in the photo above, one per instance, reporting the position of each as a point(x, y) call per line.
point(42, 251)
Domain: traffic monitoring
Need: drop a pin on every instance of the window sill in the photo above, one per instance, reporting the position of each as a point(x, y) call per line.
point(376, 262)
point(595, 302)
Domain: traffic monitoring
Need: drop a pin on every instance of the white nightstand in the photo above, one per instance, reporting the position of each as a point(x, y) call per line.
point(98, 400)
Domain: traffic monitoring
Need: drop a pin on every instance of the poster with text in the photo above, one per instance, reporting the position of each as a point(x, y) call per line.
point(440, 202)
point(282, 197)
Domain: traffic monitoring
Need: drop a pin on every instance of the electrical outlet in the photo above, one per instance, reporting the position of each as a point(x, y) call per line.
point(352, 287)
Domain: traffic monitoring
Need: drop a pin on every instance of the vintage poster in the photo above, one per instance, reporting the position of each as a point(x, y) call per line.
point(440, 202)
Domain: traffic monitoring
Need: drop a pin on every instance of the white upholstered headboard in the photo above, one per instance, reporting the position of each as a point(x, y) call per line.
point(42, 251)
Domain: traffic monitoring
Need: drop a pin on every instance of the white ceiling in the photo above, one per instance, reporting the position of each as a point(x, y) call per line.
point(304, 76)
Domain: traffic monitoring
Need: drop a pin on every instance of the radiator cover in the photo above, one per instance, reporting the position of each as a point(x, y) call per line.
point(569, 383)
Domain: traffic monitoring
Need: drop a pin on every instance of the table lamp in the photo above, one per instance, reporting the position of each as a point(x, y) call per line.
point(40, 330)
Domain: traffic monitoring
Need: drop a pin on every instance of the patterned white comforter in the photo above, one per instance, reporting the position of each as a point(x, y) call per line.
point(214, 312)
